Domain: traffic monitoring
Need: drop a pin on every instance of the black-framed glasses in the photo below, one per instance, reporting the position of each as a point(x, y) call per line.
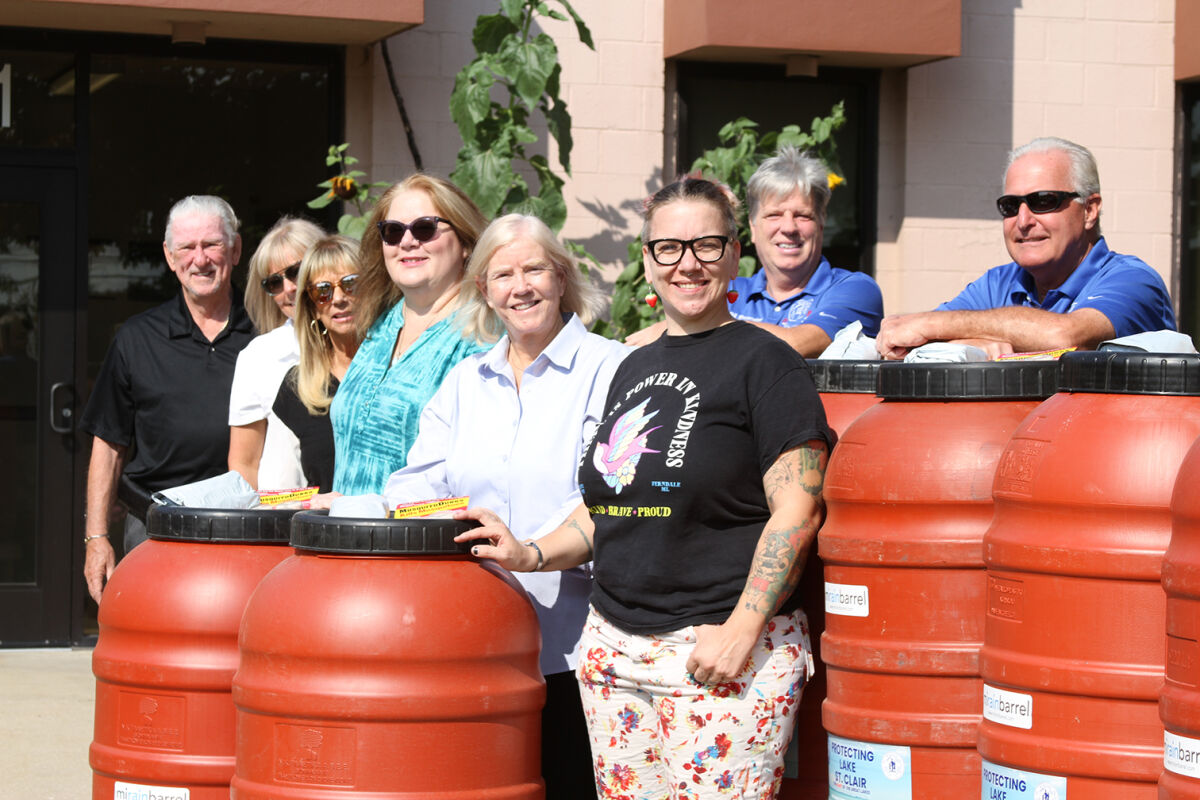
point(273, 283)
point(423, 229)
point(321, 292)
point(706, 249)
point(1042, 202)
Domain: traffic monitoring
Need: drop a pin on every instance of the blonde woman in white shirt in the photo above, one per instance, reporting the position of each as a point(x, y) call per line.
point(261, 448)
point(507, 428)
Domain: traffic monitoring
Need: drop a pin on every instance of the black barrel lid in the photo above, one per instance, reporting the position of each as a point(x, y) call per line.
point(980, 380)
point(219, 525)
point(845, 377)
point(316, 531)
point(1123, 372)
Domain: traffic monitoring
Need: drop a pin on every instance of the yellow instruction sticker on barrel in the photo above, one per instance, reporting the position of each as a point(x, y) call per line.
point(430, 508)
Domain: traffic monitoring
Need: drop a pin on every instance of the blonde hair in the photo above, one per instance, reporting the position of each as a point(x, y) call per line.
point(378, 292)
point(339, 255)
point(579, 296)
point(289, 234)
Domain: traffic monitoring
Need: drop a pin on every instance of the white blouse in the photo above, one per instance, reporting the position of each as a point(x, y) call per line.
point(517, 454)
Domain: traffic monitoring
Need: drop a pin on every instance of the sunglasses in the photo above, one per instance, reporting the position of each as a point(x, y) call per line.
point(1039, 202)
point(423, 229)
point(273, 283)
point(321, 292)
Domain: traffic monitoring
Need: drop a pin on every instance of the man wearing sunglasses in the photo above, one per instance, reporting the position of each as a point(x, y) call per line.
point(1063, 288)
point(161, 398)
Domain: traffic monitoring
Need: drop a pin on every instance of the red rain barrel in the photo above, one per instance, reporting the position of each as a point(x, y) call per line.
point(909, 495)
point(167, 651)
point(1179, 704)
point(847, 388)
point(382, 661)
point(1075, 640)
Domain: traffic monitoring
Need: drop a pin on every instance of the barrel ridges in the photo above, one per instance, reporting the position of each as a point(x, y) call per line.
point(845, 376)
point(243, 526)
point(316, 531)
point(1014, 380)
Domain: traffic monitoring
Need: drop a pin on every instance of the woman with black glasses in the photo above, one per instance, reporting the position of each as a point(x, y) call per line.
point(325, 326)
point(701, 499)
point(413, 254)
point(260, 448)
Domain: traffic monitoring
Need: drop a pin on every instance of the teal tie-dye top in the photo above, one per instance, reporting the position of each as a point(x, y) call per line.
point(377, 407)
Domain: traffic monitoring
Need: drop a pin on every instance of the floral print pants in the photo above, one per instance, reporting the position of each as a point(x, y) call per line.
point(656, 733)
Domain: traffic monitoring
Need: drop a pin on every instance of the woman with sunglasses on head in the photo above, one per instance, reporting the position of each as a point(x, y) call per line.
point(413, 254)
point(701, 498)
point(262, 450)
point(543, 386)
point(329, 338)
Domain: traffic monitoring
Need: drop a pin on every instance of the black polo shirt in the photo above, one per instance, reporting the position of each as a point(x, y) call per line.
point(163, 392)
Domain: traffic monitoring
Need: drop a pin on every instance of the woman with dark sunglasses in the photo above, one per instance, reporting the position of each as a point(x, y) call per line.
point(326, 298)
point(260, 448)
point(413, 256)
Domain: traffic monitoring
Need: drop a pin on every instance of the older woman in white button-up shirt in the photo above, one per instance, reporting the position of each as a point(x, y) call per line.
point(507, 428)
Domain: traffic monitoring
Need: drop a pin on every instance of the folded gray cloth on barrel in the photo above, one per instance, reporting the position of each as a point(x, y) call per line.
point(935, 352)
point(1152, 342)
point(371, 506)
point(230, 490)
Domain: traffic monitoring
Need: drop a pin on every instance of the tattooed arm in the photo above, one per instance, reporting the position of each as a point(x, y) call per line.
point(793, 485)
point(568, 545)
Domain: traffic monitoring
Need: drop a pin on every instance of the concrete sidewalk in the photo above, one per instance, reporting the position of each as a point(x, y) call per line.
point(46, 706)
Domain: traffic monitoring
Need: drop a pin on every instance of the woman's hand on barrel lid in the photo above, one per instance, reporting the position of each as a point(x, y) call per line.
point(494, 540)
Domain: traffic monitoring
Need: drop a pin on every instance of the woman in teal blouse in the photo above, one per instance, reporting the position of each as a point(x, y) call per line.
point(414, 252)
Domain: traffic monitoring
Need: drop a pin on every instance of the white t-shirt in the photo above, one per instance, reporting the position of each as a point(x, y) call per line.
point(256, 378)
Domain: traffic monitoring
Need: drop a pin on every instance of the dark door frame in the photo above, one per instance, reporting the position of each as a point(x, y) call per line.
point(38, 613)
point(72, 321)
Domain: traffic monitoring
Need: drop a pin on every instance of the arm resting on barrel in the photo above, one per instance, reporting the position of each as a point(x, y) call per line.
point(793, 486)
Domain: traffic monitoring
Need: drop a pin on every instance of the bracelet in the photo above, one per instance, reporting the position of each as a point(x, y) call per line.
point(87, 539)
point(541, 559)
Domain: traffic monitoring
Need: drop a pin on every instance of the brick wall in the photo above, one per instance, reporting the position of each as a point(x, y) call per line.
point(1098, 72)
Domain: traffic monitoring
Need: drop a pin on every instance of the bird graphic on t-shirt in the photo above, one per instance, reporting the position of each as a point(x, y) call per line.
point(616, 460)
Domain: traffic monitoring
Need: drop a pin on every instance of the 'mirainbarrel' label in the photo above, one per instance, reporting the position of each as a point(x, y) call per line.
point(868, 770)
point(1181, 755)
point(1006, 783)
point(136, 791)
point(1007, 708)
point(847, 600)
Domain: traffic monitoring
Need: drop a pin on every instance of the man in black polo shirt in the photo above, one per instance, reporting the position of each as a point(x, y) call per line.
point(162, 395)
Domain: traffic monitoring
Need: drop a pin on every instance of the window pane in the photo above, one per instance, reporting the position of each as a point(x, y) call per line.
point(37, 99)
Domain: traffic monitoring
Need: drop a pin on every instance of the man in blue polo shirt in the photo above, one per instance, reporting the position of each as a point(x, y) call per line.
point(797, 295)
point(1063, 288)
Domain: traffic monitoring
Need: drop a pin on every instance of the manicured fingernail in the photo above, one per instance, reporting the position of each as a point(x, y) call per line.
point(474, 551)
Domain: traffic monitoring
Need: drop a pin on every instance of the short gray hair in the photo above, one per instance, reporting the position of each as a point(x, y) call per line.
point(1085, 175)
point(209, 205)
point(787, 171)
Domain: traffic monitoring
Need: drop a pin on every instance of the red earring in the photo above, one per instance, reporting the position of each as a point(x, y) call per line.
point(652, 300)
point(731, 295)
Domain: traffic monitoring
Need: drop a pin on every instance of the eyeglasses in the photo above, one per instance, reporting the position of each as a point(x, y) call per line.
point(423, 229)
point(321, 292)
point(1039, 202)
point(273, 283)
point(706, 249)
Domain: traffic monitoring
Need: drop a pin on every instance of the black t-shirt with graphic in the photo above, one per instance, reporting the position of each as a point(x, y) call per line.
point(673, 477)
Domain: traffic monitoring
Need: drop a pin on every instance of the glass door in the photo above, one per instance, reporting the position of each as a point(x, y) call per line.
point(38, 405)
